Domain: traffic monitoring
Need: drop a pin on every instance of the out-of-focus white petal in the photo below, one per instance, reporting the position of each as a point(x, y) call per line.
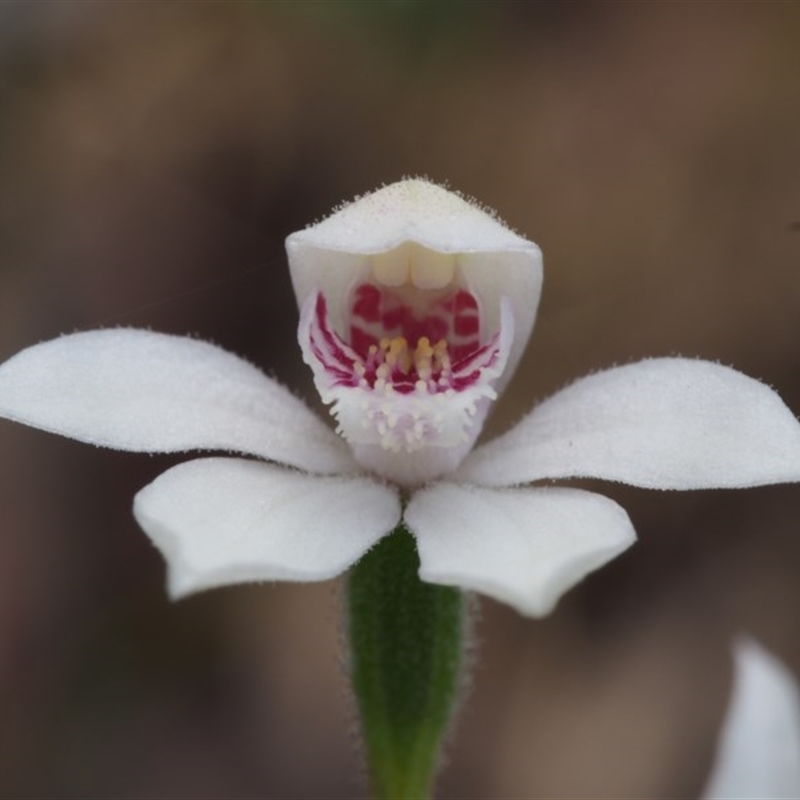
point(491, 260)
point(525, 547)
point(150, 392)
point(668, 423)
point(221, 521)
point(758, 753)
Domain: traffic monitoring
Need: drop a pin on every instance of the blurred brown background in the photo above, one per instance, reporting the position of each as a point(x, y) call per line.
point(153, 156)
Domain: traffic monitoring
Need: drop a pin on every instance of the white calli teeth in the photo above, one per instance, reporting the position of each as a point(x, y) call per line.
point(392, 267)
point(432, 270)
point(427, 269)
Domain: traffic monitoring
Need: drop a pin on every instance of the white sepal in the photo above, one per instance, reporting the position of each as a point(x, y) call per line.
point(667, 423)
point(524, 547)
point(221, 521)
point(150, 392)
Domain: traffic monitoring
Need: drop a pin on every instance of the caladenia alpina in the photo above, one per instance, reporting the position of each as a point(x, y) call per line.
point(415, 307)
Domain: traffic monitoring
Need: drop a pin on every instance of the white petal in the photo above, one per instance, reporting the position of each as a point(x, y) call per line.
point(493, 260)
point(221, 521)
point(669, 423)
point(525, 547)
point(143, 391)
point(758, 754)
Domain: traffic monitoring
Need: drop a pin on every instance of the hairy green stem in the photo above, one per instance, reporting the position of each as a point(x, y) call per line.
point(407, 642)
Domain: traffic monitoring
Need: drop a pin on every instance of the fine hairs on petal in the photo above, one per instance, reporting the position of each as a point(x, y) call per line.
point(421, 179)
point(412, 209)
point(221, 521)
point(150, 392)
point(662, 423)
point(524, 547)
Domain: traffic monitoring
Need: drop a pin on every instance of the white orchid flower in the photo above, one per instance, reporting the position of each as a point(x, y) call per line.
point(758, 752)
point(415, 307)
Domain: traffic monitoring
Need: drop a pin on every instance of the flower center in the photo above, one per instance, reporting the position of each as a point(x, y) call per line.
point(407, 368)
point(391, 363)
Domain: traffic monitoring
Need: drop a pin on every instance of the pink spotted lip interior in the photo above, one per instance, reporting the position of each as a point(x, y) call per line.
point(406, 340)
point(378, 313)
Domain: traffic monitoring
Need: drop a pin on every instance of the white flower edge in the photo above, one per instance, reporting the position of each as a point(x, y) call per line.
point(221, 521)
point(663, 423)
point(524, 547)
point(758, 752)
point(141, 391)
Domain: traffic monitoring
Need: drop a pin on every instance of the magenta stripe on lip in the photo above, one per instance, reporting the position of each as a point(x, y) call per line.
point(431, 347)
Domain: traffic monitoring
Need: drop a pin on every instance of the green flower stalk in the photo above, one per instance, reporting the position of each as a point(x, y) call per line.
point(407, 641)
